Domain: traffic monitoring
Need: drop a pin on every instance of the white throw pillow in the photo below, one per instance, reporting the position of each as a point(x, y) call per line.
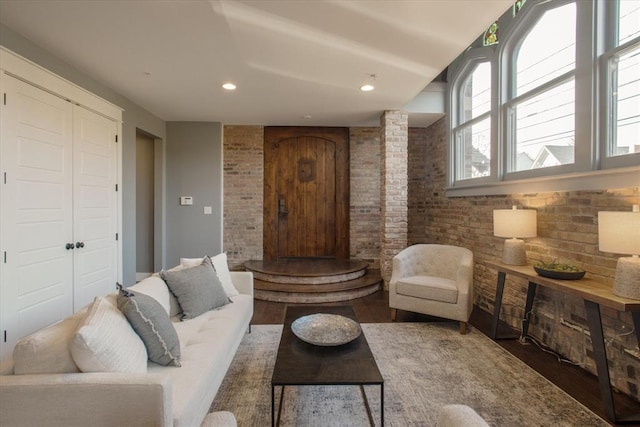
point(156, 288)
point(106, 342)
point(221, 266)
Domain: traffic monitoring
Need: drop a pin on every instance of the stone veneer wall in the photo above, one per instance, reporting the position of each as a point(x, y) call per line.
point(243, 193)
point(567, 230)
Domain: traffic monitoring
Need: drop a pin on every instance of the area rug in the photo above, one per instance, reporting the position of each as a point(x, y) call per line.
point(424, 366)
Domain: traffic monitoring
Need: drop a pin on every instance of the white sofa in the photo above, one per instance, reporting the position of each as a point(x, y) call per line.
point(164, 396)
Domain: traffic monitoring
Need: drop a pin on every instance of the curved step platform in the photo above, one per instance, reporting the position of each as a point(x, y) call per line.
point(310, 281)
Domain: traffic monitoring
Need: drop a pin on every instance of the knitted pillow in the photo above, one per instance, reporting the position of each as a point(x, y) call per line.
point(197, 289)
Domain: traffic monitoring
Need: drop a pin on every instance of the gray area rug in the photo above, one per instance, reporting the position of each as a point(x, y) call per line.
point(424, 365)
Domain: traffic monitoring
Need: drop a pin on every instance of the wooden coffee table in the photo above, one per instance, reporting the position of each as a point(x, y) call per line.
point(299, 363)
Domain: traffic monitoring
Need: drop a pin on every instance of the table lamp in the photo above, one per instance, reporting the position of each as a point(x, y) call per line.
point(619, 233)
point(514, 223)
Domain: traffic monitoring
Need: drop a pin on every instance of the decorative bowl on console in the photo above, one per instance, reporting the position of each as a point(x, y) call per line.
point(556, 270)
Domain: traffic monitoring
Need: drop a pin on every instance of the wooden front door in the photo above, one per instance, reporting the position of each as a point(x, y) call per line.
point(306, 193)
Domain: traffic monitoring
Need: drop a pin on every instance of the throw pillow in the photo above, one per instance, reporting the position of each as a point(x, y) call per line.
point(221, 266)
point(47, 351)
point(197, 289)
point(156, 288)
point(105, 342)
point(151, 322)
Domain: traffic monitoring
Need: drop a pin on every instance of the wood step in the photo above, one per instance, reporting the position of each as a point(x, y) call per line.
point(370, 277)
point(307, 271)
point(304, 281)
point(316, 297)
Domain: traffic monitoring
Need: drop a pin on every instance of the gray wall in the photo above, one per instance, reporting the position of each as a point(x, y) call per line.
point(133, 117)
point(194, 168)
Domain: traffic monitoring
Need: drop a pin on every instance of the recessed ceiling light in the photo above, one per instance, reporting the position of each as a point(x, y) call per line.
point(367, 88)
point(306, 116)
point(229, 86)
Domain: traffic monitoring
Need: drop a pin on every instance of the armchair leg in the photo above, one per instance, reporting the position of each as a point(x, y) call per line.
point(394, 313)
point(463, 328)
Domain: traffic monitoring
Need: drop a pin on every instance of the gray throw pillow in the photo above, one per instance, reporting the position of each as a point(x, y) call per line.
point(151, 322)
point(197, 289)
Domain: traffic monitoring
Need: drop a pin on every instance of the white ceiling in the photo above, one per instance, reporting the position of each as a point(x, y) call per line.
point(289, 59)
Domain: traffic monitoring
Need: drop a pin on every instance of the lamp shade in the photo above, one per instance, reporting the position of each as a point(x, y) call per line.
point(514, 223)
point(619, 232)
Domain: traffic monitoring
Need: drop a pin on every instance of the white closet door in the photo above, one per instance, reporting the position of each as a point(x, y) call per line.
point(36, 152)
point(94, 195)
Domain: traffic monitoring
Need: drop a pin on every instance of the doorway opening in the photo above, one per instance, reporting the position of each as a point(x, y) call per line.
point(149, 203)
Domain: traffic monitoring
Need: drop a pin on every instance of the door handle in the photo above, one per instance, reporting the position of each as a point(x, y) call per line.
point(79, 244)
point(68, 246)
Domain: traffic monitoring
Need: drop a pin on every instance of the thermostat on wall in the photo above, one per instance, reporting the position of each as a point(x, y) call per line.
point(186, 200)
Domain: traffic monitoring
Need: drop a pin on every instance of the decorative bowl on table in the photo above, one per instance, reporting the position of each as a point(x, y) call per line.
point(326, 329)
point(555, 270)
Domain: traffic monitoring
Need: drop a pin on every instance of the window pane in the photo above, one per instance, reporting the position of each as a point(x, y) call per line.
point(626, 103)
point(628, 20)
point(544, 129)
point(548, 51)
point(474, 150)
point(476, 92)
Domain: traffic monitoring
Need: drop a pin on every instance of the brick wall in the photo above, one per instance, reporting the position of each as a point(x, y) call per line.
point(394, 138)
point(364, 228)
point(567, 230)
point(243, 193)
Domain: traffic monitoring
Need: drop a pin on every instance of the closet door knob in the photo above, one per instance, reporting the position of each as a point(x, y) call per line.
point(68, 246)
point(79, 244)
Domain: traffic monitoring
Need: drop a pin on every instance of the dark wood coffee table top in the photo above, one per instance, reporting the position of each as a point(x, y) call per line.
point(301, 363)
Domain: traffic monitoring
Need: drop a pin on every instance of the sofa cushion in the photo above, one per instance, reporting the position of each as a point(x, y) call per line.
point(152, 324)
point(221, 267)
point(197, 289)
point(209, 343)
point(47, 351)
point(106, 342)
point(428, 287)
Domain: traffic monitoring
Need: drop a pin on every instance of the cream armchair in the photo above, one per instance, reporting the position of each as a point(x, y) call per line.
point(433, 279)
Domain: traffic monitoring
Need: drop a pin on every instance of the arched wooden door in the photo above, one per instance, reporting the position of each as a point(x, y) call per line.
point(306, 193)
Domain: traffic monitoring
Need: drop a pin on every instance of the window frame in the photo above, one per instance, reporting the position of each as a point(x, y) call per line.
point(591, 169)
point(608, 51)
point(472, 60)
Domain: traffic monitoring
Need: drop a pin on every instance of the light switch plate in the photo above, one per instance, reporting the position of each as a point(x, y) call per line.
point(207, 210)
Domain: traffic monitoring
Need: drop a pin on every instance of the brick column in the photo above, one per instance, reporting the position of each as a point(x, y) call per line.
point(394, 137)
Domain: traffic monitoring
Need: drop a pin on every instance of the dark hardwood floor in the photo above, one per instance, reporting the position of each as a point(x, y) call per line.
point(575, 381)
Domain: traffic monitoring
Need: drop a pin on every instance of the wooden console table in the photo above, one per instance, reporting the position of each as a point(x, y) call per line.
point(594, 294)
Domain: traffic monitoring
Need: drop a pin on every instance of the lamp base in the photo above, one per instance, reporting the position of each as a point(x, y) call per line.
point(627, 282)
point(513, 252)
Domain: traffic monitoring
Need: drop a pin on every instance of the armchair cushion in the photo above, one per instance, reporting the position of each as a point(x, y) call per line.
point(428, 287)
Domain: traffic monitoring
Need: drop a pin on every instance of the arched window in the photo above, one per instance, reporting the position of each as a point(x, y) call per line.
point(541, 111)
point(622, 85)
point(473, 133)
point(558, 96)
